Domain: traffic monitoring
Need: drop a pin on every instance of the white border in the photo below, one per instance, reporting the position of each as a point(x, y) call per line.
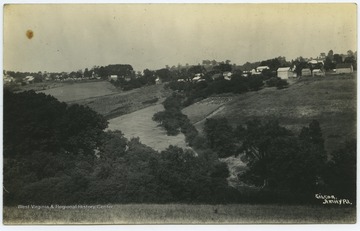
point(331, 227)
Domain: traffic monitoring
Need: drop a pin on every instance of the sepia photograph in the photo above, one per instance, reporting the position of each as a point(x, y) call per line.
point(179, 113)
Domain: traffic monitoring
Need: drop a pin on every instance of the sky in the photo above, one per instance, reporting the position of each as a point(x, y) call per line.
point(68, 37)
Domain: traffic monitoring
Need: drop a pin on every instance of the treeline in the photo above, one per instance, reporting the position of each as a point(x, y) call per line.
point(284, 164)
point(60, 154)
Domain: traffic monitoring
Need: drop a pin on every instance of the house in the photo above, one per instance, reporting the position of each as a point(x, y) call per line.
point(196, 79)
point(158, 80)
point(8, 79)
point(284, 72)
point(306, 72)
point(113, 77)
point(227, 75)
point(344, 68)
point(29, 79)
point(261, 68)
point(318, 72)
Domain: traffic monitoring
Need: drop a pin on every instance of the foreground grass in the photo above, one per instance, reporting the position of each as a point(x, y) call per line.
point(183, 214)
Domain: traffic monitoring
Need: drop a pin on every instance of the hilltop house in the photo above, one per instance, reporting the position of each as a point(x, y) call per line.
point(344, 68)
point(284, 72)
point(306, 72)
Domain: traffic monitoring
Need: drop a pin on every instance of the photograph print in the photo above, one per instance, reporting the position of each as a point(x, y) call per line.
point(179, 113)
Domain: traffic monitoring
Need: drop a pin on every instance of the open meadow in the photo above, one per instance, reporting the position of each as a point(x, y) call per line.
point(182, 214)
point(68, 92)
point(331, 100)
point(140, 124)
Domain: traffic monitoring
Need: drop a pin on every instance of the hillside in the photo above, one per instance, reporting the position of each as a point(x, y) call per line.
point(122, 103)
point(140, 124)
point(330, 100)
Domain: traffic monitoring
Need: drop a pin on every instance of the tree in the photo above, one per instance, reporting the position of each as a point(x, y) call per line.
point(279, 160)
point(330, 55)
point(220, 136)
point(337, 58)
point(341, 172)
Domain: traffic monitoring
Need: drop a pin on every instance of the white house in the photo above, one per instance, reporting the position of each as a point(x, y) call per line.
point(158, 80)
point(318, 72)
point(29, 79)
point(306, 72)
point(261, 68)
point(113, 77)
point(284, 72)
point(344, 68)
point(196, 79)
point(227, 75)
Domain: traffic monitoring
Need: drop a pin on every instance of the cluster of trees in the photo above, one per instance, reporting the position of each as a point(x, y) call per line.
point(201, 90)
point(283, 163)
point(174, 121)
point(60, 154)
point(333, 59)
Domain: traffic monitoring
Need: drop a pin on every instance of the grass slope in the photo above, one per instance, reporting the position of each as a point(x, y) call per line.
point(122, 103)
point(68, 92)
point(183, 214)
point(140, 124)
point(331, 100)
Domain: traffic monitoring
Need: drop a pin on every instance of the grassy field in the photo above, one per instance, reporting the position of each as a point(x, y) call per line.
point(331, 100)
point(140, 124)
point(183, 214)
point(122, 103)
point(68, 92)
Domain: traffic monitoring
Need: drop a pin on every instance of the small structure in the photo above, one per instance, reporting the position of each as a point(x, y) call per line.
point(113, 77)
point(227, 75)
point(29, 79)
point(196, 79)
point(284, 72)
point(158, 80)
point(8, 79)
point(318, 72)
point(342, 68)
point(261, 68)
point(306, 72)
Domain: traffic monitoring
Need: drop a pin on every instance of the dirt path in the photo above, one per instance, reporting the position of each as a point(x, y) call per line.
point(219, 109)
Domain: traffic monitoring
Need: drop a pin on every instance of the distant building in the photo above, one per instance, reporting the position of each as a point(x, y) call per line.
point(344, 68)
point(227, 75)
point(29, 79)
point(158, 80)
point(8, 79)
point(196, 79)
point(113, 77)
point(284, 72)
point(306, 72)
point(318, 72)
point(261, 68)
